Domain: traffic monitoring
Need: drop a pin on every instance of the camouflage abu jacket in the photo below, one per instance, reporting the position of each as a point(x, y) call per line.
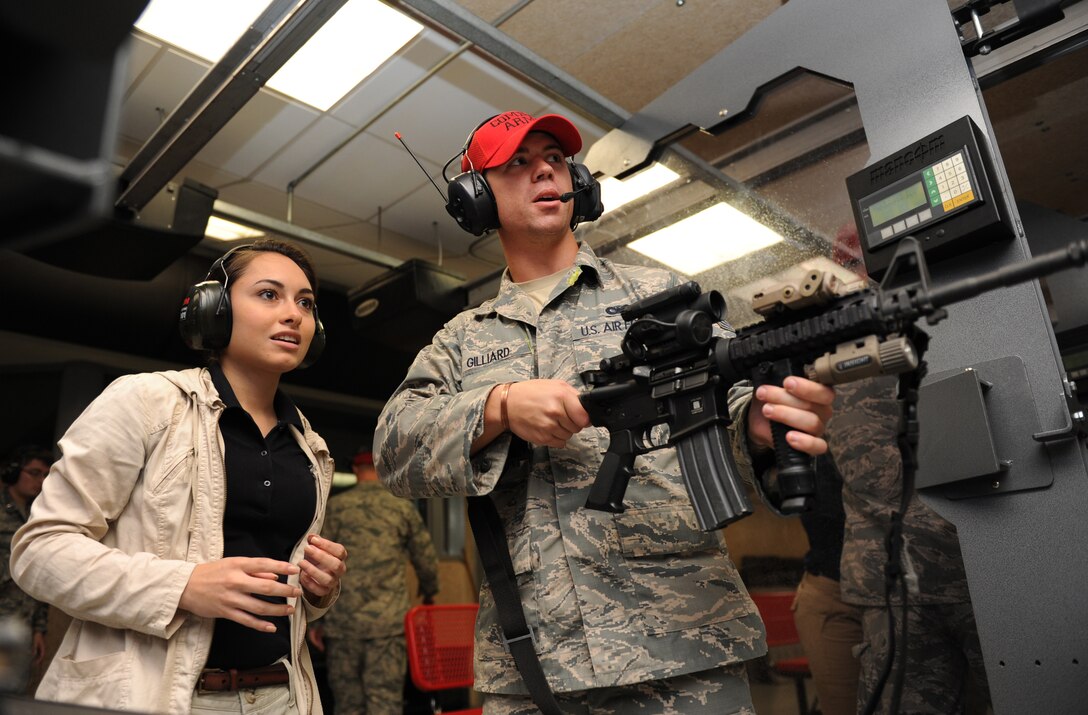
point(13, 601)
point(613, 598)
point(862, 435)
point(381, 532)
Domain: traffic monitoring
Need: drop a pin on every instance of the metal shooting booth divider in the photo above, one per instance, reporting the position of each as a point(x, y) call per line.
point(919, 100)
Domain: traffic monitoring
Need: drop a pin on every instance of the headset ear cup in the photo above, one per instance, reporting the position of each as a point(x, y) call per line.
point(205, 320)
point(471, 203)
point(317, 344)
point(11, 471)
point(587, 203)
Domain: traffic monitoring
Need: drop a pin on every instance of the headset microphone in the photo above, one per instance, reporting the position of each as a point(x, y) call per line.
point(567, 196)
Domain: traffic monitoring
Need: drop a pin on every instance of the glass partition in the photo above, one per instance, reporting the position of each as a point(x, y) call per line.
point(757, 200)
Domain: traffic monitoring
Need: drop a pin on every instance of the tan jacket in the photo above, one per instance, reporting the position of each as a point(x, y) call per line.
point(136, 501)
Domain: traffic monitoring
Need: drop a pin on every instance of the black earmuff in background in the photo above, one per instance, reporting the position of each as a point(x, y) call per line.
point(205, 320)
point(11, 471)
point(18, 459)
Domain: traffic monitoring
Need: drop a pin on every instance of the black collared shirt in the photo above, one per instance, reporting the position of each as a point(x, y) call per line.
point(271, 498)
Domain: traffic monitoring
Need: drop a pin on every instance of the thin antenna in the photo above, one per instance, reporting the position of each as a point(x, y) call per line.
point(438, 240)
point(443, 196)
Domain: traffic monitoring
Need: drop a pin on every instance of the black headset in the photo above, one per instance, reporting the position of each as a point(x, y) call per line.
point(472, 204)
point(205, 320)
point(11, 471)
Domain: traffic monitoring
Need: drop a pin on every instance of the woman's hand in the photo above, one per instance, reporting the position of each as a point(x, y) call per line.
point(801, 404)
point(322, 568)
point(228, 588)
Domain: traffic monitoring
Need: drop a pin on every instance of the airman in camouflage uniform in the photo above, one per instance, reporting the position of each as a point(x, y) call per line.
point(943, 645)
point(364, 632)
point(22, 480)
point(637, 611)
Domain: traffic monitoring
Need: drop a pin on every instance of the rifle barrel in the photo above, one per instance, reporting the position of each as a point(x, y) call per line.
point(1074, 254)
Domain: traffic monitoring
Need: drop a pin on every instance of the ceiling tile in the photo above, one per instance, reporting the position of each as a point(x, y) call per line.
point(303, 152)
point(365, 174)
point(142, 51)
point(162, 88)
point(382, 87)
point(422, 215)
point(257, 133)
point(272, 202)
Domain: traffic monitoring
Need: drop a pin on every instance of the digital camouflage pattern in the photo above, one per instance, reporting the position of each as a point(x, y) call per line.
point(367, 676)
point(364, 630)
point(943, 642)
point(722, 691)
point(614, 599)
point(381, 533)
point(13, 601)
point(945, 672)
point(862, 435)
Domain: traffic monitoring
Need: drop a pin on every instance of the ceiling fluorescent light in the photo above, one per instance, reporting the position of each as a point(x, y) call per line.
point(206, 28)
point(709, 238)
point(223, 230)
point(353, 43)
point(616, 193)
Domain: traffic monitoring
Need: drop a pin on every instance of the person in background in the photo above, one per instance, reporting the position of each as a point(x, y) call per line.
point(830, 629)
point(945, 671)
point(363, 637)
point(24, 472)
point(180, 526)
point(632, 612)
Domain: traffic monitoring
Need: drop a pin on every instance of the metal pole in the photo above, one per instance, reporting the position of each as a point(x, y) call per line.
point(393, 103)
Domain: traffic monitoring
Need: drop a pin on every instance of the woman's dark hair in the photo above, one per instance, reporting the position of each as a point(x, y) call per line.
point(240, 259)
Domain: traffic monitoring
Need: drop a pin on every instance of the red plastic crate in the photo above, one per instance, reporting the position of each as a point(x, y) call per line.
point(439, 640)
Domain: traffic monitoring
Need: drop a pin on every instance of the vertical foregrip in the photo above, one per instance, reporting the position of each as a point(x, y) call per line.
point(796, 478)
point(710, 474)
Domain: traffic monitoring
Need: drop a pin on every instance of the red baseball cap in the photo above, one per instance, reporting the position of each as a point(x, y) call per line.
point(499, 137)
point(363, 458)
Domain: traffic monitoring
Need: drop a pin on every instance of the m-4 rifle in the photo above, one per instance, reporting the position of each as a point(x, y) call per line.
point(675, 370)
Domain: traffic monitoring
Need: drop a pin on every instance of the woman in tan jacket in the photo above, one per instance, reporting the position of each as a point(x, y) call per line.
point(179, 528)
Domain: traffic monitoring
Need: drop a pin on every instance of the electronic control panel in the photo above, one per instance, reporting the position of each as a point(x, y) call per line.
point(940, 190)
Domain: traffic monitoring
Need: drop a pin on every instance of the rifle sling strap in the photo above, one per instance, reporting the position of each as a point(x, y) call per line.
point(518, 637)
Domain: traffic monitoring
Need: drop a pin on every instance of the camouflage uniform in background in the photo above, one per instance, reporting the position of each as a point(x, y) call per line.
point(614, 599)
point(364, 631)
point(944, 651)
point(13, 601)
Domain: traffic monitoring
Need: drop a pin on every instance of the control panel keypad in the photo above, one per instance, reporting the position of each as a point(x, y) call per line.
point(948, 184)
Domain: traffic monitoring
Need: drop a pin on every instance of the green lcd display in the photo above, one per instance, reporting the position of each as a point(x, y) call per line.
point(897, 204)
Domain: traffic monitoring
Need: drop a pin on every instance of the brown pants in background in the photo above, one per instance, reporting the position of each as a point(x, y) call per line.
point(829, 631)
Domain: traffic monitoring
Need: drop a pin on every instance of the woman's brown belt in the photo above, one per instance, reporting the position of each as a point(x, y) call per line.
point(214, 680)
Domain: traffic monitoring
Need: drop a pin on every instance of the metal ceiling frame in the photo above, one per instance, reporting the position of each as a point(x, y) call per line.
point(513, 54)
point(266, 45)
point(283, 27)
point(246, 217)
point(435, 69)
